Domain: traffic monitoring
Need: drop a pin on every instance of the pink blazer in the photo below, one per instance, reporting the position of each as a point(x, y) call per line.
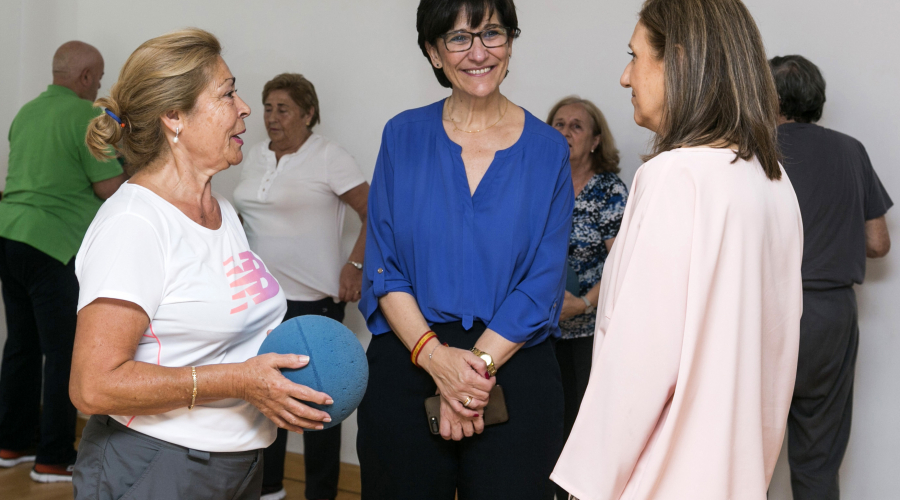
point(698, 329)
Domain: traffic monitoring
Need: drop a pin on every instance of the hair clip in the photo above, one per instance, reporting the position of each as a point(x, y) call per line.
point(116, 118)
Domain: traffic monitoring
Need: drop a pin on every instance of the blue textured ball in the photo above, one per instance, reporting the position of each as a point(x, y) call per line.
point(337, 362)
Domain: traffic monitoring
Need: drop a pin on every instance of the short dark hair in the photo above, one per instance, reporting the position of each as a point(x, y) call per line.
point(301, 90)
point(436, 17)
point(801, 88)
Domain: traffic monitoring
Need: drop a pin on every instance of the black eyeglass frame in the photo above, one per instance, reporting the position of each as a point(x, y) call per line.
point(510, 34)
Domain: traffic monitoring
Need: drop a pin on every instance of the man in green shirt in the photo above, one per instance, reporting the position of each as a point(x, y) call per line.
point(53, 190)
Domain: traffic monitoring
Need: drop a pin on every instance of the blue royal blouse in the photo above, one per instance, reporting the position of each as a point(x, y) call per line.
point(497, 256)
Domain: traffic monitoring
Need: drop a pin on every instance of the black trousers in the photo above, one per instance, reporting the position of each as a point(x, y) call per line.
point(819, 421)
point(40, 295)
point(574, 357)
point(401, 460)
point(321, 449)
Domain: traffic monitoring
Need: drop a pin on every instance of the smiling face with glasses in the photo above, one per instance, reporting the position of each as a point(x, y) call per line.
point(462, 40)
point(474, 58)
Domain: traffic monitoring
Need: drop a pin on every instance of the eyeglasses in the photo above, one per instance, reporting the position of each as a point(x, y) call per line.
point(461, 41)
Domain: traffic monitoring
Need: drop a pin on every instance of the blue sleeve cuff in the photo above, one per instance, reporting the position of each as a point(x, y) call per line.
point(520, 319)
point(374, 289)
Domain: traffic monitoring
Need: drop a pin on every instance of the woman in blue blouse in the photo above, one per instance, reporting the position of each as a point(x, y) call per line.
point(599, 205)
point(469, 217)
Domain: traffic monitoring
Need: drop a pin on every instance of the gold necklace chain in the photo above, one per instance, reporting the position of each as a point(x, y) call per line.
point(450, 117)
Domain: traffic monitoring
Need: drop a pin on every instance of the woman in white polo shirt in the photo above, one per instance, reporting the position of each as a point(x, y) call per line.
point(292, 197)
point(173, 302)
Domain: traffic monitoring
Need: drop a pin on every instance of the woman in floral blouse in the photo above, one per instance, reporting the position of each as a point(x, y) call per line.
point(599, 204)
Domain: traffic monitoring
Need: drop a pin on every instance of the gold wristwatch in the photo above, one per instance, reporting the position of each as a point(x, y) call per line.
point(492, 370)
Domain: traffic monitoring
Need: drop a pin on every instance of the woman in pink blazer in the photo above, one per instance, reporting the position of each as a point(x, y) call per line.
point(695, 351)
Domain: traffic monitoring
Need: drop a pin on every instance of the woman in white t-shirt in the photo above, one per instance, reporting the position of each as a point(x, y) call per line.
point(292, 196)
point(174, 304)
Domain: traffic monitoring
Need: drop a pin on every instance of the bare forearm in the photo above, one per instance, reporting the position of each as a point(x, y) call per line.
point(107, 188)
point(406, 320)
point(878, 239)
point(497, 346)
point(402, 312)
point(137, 388)
point(357, 199)
point(593, 295)
point(359, 248)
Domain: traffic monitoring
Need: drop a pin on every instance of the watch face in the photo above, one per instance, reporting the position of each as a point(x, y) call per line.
point(490, 363)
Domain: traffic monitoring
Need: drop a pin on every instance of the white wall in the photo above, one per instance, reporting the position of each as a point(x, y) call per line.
point(363, 58)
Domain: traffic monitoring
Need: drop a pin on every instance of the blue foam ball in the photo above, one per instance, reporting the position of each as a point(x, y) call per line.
point(337, 362)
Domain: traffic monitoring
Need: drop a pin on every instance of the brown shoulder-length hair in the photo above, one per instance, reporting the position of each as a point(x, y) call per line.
point(605, 158)
point(719, 88)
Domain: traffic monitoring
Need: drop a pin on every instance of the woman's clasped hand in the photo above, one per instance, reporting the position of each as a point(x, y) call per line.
point(461, 377)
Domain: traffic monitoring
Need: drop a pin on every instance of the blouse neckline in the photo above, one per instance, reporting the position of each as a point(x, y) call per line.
point(178, 213)
point(307, 144)
point(501, 153)
point(593, 180)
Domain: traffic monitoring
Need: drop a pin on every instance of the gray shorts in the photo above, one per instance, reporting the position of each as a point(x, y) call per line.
point(115, 462)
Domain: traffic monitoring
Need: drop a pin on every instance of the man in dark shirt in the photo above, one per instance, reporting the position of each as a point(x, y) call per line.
point(843, 205)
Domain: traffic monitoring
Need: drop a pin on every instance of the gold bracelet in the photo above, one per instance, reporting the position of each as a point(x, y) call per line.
point(194, 394)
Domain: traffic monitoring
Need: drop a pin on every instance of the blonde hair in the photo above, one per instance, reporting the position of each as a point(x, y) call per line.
point(301, 90)
point(166, 73)
point(719, 88)
point(605, 157)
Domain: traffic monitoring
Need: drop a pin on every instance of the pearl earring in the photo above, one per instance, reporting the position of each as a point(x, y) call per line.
point(592, 151)
point(177, 129)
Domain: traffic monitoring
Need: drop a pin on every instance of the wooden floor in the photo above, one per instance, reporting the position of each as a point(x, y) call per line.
point(16, 484)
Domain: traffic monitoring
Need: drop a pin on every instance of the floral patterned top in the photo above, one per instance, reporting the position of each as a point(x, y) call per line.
point(596, 218)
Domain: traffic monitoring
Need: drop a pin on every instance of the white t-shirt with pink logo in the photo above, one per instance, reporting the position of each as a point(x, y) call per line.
point(210, 300)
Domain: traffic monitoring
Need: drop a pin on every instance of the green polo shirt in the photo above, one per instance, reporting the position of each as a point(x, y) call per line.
point(49, 202)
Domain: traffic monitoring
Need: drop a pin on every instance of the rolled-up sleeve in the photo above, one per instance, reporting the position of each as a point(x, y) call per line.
point(382, 270)
point(532, 308)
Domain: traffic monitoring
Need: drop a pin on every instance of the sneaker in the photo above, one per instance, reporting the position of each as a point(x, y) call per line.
point(52, 473)
point(9, 458)
point(273, 493)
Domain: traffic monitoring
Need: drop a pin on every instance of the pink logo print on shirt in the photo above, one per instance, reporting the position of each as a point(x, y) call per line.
point(262, 286)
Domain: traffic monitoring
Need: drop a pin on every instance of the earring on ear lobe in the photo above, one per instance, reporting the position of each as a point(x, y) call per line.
point(177, 129)
point(592, 151)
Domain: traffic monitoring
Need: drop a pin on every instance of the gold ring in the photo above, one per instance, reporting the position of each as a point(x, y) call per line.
point(468, 400)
